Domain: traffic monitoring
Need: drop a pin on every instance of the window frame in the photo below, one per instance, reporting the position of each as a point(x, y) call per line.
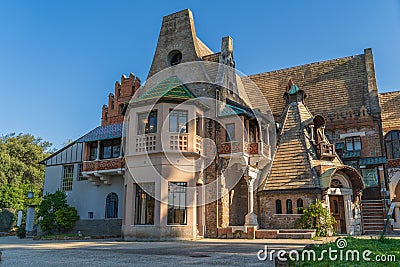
point(80, 175)
point(394, 143)
point(115, 145)
point(353, 143)
point(179, 188)
point(289, 206)
point(67, 181)
point(111, 211)
point(141, 194)
point(278, 206)
point(178, 117)
point(145, 129)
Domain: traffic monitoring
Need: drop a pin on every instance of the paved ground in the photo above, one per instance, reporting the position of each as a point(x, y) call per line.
point(207, 252)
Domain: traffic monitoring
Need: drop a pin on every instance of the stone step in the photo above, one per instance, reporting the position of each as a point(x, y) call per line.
point(296, 235)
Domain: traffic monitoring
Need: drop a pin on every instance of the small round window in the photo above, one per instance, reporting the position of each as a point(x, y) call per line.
point(174, 58)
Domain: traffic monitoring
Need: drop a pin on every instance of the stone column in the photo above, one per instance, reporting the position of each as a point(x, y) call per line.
point(397, 216)
point(98, 150)
point(250, 176)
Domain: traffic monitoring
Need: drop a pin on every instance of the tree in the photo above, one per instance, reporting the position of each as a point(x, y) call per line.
point(56, 214)
point(20, 170)
point(317, 217)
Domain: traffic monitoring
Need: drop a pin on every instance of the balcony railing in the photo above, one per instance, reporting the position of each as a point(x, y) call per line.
point(233, 147)
point(260, 148)
point(103, 165)
point(326, 150)
point(170, 142)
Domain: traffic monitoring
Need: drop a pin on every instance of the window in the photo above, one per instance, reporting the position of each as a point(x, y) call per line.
point(68, 177)
point(110, 149)
point(289, 206)
point(335, 207)
point(121, 109)
point(144, 207)
point(93, 151)
point(278, 206)
point(174, 58)
point(353, 143)
point(112, 104)
point(147, 123)
point(252, 133)
point(336, 184)
point(230, 132)
point(370, 177)
point(90, 215)
point(178, 121)
point(176, 203)
point(112, 205)
point(80, 175)
point(392, 141)
point(299, 206)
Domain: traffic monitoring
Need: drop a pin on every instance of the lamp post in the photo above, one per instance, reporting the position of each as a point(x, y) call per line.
point(30, 215)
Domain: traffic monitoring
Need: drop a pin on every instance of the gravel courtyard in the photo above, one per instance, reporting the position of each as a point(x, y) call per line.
point(208, 252)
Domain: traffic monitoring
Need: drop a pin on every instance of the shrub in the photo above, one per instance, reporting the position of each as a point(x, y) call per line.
point(21, 233)
point(317, 217)
point(56, 214)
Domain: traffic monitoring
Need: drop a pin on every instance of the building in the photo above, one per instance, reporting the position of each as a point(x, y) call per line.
point(305, 133)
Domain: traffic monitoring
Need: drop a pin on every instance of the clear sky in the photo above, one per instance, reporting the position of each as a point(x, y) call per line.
point(59, 60)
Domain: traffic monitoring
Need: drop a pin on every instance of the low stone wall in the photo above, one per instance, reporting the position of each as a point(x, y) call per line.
point(157, 233)
point(7, 219)
point(105, 227)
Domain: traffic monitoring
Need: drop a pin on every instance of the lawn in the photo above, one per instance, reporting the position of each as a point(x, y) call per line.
point(349, 251)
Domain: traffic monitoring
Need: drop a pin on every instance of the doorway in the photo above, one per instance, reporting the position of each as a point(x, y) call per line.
point(336, 204)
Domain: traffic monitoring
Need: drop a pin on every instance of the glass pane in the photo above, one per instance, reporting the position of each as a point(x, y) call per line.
point(183, 122)
point(152, 125)
point(230, 132)
point(142, 121)
point(173, 122)
point(357, 143)
point(370, 177)
point(396, 149)
point(349, 144)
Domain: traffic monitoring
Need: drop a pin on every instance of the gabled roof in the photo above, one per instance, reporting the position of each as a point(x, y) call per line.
point(170, 88)
point(230, 110)
point(102, 133)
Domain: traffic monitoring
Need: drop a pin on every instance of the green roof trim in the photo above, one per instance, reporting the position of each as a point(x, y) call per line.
point(171, 88)
point(339, 146)
point(325, 178)
point(230, 110)
point(294, 89)
point(373, 161)
point(352, 154)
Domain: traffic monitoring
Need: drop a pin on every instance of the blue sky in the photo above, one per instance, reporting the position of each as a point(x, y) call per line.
point(60, 59)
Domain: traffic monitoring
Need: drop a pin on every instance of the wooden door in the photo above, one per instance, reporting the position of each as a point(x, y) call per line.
point(337, 210)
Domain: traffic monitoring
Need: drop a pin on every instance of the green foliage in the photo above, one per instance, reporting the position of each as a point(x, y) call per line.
point(56, 213)
point(65, 218)
point(20, 170)
point(21, 232)
point(7, 219)
point(316, 216)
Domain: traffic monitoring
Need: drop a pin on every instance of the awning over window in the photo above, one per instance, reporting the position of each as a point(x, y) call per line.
point(351, 154)
point(373, 161)
point(102, 133)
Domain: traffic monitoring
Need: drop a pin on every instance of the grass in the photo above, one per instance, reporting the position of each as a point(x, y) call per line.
point(380, 249)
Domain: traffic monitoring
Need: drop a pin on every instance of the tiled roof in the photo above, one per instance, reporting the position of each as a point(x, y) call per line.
point(230, 110)
point(352, 154)
point(390, 108)
point(171, 88)
point(213, 57)
point(372, 161)
point(291, 167)
point(102, 133)
point(333, 85)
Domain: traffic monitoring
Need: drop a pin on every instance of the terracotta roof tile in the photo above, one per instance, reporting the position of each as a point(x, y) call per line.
point(390, 108)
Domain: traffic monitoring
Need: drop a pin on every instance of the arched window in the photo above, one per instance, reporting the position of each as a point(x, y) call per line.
point(112, 205)
point(299, 206)
point(289, 206)
point(392, 141)
point(174, 58)
point(278, 206)
point(335, 183)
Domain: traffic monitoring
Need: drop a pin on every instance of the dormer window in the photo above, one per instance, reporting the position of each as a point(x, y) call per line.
point(147, 123)
point(392, 141)
point(174, 58)
point(178, 121)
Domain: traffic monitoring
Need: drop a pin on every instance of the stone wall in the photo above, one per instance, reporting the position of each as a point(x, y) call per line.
point(268, 219)
point(106, 227)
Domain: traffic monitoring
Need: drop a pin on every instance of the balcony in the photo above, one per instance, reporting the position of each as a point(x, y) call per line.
point(260, 154)
point(326, 151)
point(169, 142)
point(101, 171)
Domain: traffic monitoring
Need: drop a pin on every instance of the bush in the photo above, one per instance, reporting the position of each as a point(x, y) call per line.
point(21, 233)
point(56, 214)
point(317, 217)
